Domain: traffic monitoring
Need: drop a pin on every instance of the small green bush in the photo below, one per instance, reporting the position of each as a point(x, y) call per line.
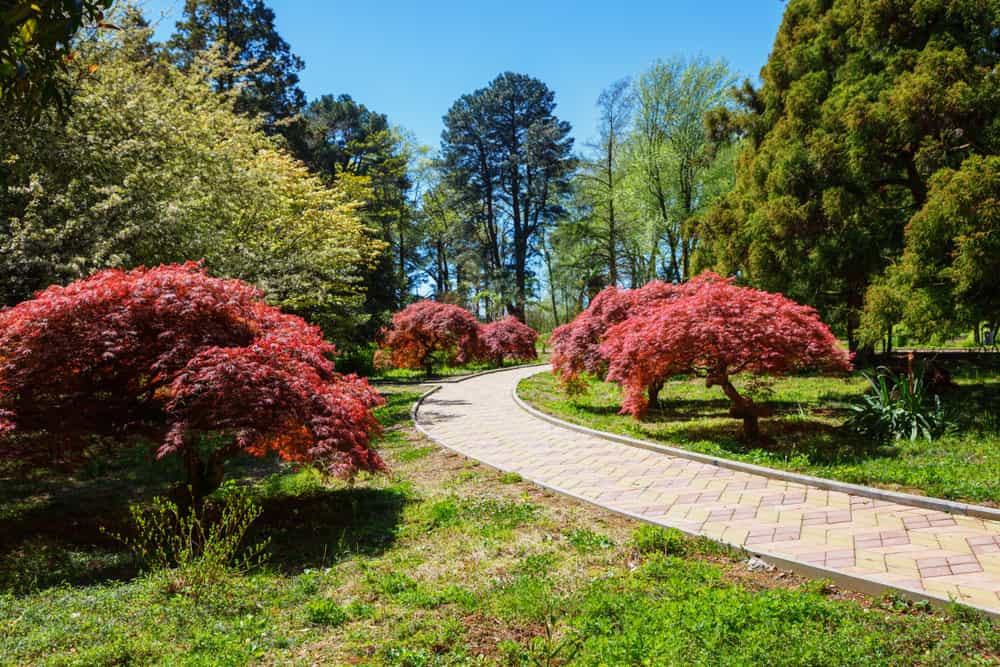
point(898, 407)
point(326, 612)
point(657, 539)
point(189, 547)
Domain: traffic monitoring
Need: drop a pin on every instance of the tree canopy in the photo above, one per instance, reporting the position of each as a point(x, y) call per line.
point(200, 367)
point(174, 174)
point(862, 103)
point(341, 139)
point(36, 41)
point(506, 152)
point(260, 63)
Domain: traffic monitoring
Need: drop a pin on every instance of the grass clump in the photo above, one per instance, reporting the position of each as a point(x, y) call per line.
point(587, 541)
point(326, 612)
point(657, 539)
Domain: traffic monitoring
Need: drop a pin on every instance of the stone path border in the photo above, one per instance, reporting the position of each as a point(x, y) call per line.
point(863, 542)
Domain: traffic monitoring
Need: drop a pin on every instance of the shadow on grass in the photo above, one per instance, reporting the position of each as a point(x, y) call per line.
point(66, 537)
point(816, 442)
point(318, 528)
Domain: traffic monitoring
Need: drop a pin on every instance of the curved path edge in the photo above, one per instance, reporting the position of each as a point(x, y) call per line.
point(927, 502)
point(872, 585)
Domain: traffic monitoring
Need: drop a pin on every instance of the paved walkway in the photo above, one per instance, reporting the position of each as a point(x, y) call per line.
point(928, 552)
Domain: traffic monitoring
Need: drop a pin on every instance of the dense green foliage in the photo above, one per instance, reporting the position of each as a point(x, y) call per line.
point(260, 66)
point(947, 275)
point(342, 139)
point(35, 47)
point(642, 189)
point(172, 175)
point(862, 103)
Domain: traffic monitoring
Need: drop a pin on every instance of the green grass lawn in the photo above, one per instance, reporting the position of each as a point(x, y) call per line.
point(408, 375)
point(443, 562)
point(805, 435)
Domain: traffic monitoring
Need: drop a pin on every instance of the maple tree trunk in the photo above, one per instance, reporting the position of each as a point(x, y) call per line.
point(741, 407)
point(202, 477)
point(654, 394)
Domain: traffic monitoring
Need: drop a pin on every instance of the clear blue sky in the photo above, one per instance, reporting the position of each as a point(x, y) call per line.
point(411, 60)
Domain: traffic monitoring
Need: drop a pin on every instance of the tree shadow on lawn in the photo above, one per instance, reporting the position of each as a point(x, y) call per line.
point(815, 442)
point(318, 528)
point(63, 535)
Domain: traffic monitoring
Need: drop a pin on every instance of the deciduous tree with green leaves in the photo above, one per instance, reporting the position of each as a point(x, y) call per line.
point(174, 175)
point(342, 138)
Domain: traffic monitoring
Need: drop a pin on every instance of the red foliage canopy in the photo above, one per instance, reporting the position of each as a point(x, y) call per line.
point(576, 345)
point(426, 327)
point(173, 355)
point(508, 338)
point(718, 329)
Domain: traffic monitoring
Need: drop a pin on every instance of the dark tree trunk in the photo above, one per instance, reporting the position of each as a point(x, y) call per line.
point(654, 394)
point(741, 407)
point(203, 477)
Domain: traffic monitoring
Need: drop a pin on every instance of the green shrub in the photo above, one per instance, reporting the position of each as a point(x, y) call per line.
point(657, 539)
point(898, 407)
point(326, 612)
point(190, 548)
point(587, 541)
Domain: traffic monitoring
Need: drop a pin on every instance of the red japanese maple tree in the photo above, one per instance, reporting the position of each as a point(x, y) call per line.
point(426, 327)
point(576, 346)
point(200, 366)
point(718, 330)
point(509, 338)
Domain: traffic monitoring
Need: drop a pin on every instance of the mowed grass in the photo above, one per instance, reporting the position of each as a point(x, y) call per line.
point(806, 434)
point(443, 562)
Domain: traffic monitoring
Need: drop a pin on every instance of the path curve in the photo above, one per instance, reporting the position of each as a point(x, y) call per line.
point(860, 542)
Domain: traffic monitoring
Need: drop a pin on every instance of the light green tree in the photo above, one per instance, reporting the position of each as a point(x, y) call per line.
point(675, 166)
point(154, 166)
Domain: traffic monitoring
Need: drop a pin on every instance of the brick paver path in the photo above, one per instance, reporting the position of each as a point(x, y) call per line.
point(942, 555)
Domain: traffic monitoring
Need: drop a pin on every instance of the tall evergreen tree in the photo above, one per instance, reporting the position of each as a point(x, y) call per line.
point(861, 104)
point(504, 147)
point(261, 60)
point(342, 137)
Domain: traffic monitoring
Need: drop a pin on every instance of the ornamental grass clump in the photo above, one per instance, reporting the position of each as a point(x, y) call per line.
point(898, 407)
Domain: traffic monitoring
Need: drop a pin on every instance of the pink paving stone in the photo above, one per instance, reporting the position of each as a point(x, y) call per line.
point(966, 568)
point(935, 571)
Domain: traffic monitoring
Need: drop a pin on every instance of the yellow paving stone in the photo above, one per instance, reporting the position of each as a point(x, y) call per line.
point(870, 560)
point(990, 563)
